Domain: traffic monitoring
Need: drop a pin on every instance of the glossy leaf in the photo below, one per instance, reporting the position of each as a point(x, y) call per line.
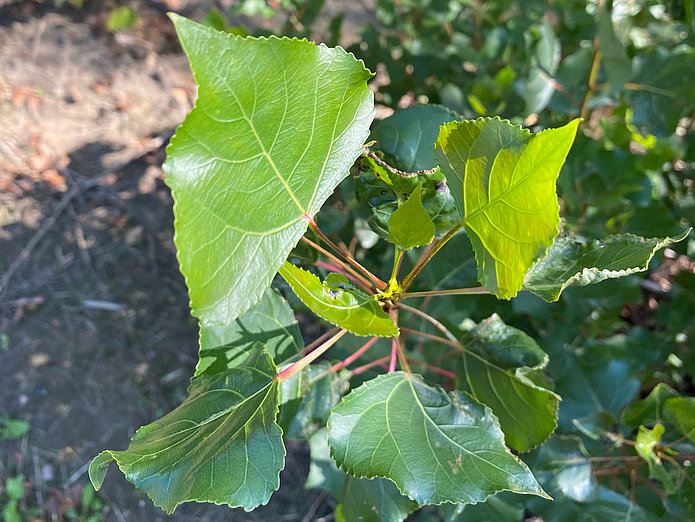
point(220, 445)
point(575, 261)
point(410, 226)
point(498, 368)
point(341, 304)
point(408, 135)
point(276, 126)
point(436, 447)
point(271, 322)
point(680, 411)
point(502, 178)
point(382, 191)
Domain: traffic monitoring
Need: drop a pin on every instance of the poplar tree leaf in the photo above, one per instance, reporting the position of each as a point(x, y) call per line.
point(410, 226)
point(339, 303)
point(503, 178)
point(680, 411)
point(220, 445)
point(646, 441)
point(575, 261)
point(498, 368)
point(277, 124)
point(408, 136)
point(436, 447)
point(270, 322)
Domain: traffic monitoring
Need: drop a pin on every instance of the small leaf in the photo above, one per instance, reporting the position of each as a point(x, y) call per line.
point(680, 411)
point(649, 410)
point(410, 226)
point(497, 368)
point(220, 445)
point(11, 429)
point(436, 447)
point(502, 178)
point(276, 127)
point(408, 136)
point(573, 261)
point(346, 306)
point(646, 442)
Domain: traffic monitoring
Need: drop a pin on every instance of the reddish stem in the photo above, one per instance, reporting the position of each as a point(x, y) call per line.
point(424, 335)
point(337, 261)
point(308, 359)
point(320, 340)
point(435, 369)
point(394, 354)
point(379, 362)
point(335, 268)
point(351, 358)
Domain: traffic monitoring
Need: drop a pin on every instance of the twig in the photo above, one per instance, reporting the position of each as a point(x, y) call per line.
point(394, 354)
point(424, 335)
point(334, 268)
point(308, 359)
point(352, 357)
point(430, 319)
point(435, 369)
point(339, 262)
point(320, 340)
point(595, 64)
point(365, 367)
point(453, 291)
point(154, 144)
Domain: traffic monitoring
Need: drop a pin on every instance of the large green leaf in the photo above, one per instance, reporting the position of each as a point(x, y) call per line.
point(498, 368)
point(502, 178)
point(436, 447)
point(408, 136)
point(276, 126)
point(575, 261)
point(410, 226)
point(271, 322)
point(339, 302)
point(220, 445)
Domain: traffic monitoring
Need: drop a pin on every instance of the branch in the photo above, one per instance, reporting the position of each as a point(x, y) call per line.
point(430, 319)
point(320, 340)
point(426, 258)
point(338, 262)
point(595, 64)
point(308, 359)
point(453, 291)
point(418, 333)
point(435, 369)
point(364, 368)
point(351, 358)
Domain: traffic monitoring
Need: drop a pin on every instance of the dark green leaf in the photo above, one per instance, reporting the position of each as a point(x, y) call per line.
point(220, 445)
point(680, 411)
point(502, 507)
point(649, 410)
point(574, 261)
point(408, 135)
point(342, 304)
point(498, 368)
point(410, 226)
point(276, 126)
point(616, 65)
point(502, 178)
point(436, 447)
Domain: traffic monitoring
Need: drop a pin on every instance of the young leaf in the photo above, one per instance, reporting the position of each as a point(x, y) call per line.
point(502, 178)
point(410, 226)
point(276, 126)
point(408, 136)
point(271, 322)
point(645, 443)
point(220, 445)
point(498, 369)
point(436, 447)
point(343, 305)
point(573, 261)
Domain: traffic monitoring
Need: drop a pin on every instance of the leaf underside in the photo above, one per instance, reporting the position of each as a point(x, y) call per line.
point(345, 306)
point(436, 447)
point(220, 445)
point(502, 178)
point(276, 127)
point(410, 226)
point(572, 261)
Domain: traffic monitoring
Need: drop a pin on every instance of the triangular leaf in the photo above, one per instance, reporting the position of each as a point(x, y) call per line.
point(339, 303)
point(220, 445)
point(497, 368)
point(410, 226)
point(574, 261)
point(436, 447)
point(503, 180)
point(276, 126)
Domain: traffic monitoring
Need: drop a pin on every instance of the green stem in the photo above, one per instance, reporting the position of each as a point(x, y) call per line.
point(454, 291)
point(421, 264)
point(397, 257)
point(342, 264)
point(308, 359)
point(595, 64)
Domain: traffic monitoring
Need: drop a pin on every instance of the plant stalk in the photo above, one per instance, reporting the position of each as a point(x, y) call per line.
point(308, 359)
point(423, 261)
point(593, 73)
point(439, 326)
point(453, 291)
point(342, 264)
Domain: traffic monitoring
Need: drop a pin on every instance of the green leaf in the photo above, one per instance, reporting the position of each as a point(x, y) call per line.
point(410, 226)
point(220, 445)
point(436, 447)
point(502, 178)
point(339, 303)
point(575, 261)
point(682, 504)
point(270, 322)
point(408, 136)
point(276, 127)
point(646, 442)
point(383, 191)
point(502, 507)
point(498, 368)
point(616, 65)
point(122, 18)
point(680, 411)
point(11, 429)
point(649, 410)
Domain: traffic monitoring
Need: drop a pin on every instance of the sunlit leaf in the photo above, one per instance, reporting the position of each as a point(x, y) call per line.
point(339, 302)
point(436, 447)
point(276, 126)
point(410, 226)
point(502, 178)
point(220, 445)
